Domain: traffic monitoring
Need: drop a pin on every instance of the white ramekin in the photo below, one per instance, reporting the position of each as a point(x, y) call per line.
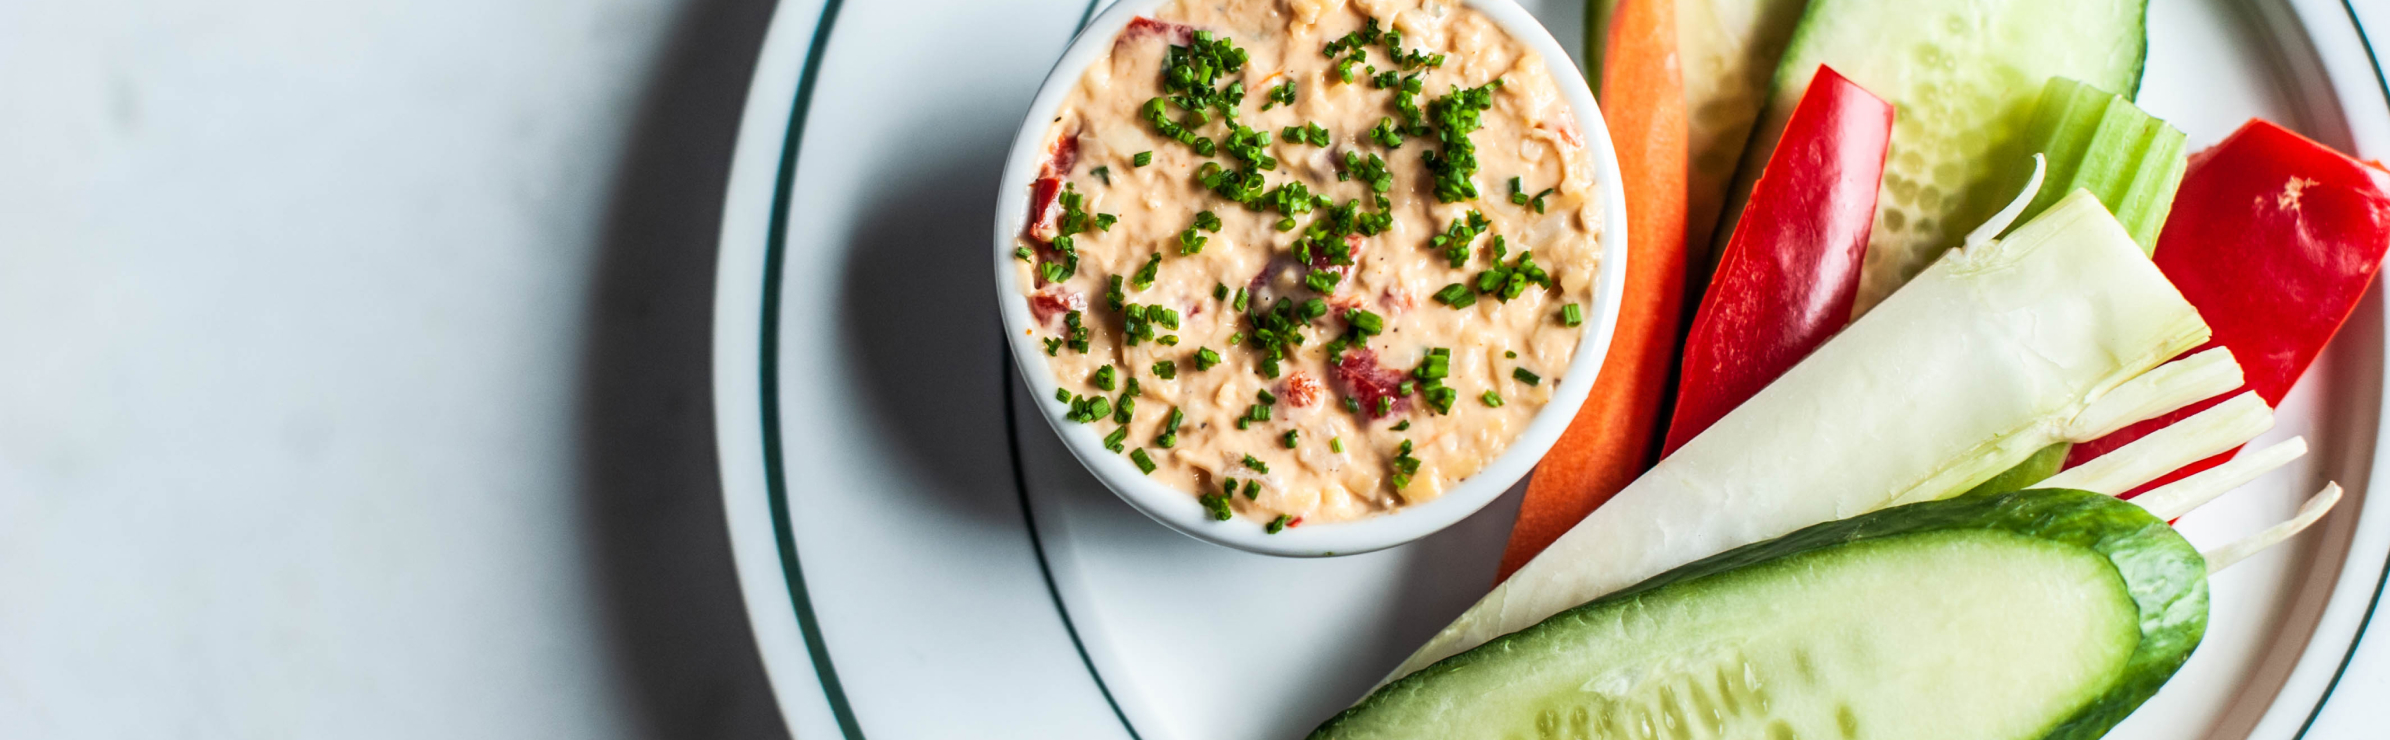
point(1178, 509)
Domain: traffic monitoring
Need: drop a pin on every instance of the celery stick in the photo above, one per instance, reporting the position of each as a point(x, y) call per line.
point(2093, 140)
point(2098, 141)
point(1988, 356)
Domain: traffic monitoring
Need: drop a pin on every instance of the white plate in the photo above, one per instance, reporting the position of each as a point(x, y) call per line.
point(922, 559)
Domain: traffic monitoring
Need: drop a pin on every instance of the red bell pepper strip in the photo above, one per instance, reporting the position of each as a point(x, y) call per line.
point(2274, 238)
point(1787, 279)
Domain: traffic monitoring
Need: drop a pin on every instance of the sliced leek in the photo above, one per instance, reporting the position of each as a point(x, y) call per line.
point(2309, 513)
point(2210, 432)
point(2180, 497)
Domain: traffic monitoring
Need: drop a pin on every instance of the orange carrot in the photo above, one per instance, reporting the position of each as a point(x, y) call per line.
point(1615, 435)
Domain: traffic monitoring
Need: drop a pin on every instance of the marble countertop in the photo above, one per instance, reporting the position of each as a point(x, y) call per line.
point(353, 370)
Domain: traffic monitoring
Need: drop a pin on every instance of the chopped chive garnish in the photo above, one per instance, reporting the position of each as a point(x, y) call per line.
point(1511, 355)
point(1166, 369)
point(1256, 464)
point(1124, 410)
point(1456, 295)
point(1053, 346)
point(1219, 292)
point(1207, 221)
point(1505, 282)
point(1104, 174)
point(1322, 281)
point(1352, 404)
point(1076, 331)
point(1457, 236)
point(1216, 506)
point(1386, 406)
point(1239, 304)
point(1404, 426)
point(1145, 462)
point(1288, 439)
point(1169, 340)
point(1145, 275)
point(1023, 254)
point(1169, 437)
point(1405, 465)
point(1190, 242)
point(1142, 159)
point(1336, 444)
point(1188, 74)
point(1441, 399)
point(1236, 339)
point(1491, 399)
point(1062, 394)
point(1131, 390)
point(1276, 525)
point(1205, 358)
point(1280, 95)
point(1114, 440)
point(1264, 397)
point(1308, 133)
point(1458, 114)
point(1103, 378)
point(1252, 488)
point(1570, 315)
point(1368, 324)
point(1524, 376)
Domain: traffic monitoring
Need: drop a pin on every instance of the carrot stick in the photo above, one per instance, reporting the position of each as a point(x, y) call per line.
point(1615, 435)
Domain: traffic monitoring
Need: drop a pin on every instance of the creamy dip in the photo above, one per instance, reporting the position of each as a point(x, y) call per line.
point(1136, 290)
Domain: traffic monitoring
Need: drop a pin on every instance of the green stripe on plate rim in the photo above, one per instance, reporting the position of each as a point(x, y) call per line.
point(775, 483)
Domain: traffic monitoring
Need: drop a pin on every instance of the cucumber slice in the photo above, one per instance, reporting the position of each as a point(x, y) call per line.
point(2098, 141)
point(2029, 614)
point(1963, 76)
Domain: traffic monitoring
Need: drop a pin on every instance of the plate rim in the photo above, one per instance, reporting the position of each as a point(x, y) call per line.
point(749, 257)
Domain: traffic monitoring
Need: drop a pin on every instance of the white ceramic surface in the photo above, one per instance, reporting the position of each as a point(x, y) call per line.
point(916, 572)
point(1179, 509)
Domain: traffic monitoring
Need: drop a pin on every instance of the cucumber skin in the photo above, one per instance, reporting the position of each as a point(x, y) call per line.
point(2164, 573)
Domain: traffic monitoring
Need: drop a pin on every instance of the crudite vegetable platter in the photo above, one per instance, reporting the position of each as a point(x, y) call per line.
point(1342, 369)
